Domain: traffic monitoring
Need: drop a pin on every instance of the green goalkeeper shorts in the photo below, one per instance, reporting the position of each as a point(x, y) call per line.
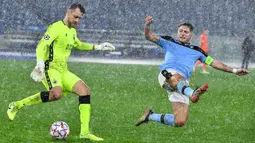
point(66, 80)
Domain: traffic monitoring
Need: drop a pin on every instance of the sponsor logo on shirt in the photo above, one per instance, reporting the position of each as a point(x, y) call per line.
point(69, 47)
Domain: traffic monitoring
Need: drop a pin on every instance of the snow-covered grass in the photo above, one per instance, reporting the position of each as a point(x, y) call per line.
point(120, 94)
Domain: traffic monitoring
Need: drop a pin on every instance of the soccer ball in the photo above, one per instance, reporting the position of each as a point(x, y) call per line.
point(59, 130)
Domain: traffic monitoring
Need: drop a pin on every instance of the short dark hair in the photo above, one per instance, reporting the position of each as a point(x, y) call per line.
point(188, 25)
point(77, 5)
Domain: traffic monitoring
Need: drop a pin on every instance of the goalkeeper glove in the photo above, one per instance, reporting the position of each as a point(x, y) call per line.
point(38, 72)
point(104, 46)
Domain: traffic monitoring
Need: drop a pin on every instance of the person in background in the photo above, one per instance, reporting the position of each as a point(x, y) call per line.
point(248, 47)
point(204, 46)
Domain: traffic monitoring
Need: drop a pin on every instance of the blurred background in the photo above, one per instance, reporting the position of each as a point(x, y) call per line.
point(23, 22)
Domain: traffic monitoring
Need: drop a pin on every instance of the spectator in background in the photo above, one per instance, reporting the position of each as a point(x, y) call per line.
point(204, 46)
point(247, 48)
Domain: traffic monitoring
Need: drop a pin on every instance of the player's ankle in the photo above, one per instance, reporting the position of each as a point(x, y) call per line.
point(84, 134)
point(18, 105)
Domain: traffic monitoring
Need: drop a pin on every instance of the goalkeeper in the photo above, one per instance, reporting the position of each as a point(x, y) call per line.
point(52, 53)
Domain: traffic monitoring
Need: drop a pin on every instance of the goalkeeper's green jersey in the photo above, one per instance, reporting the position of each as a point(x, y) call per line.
point(55, 46)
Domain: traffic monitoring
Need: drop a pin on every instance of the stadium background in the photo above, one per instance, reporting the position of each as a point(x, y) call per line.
point(23, 22)
point(120, 92)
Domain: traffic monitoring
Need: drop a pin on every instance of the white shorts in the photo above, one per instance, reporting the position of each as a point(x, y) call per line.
point(173, 94)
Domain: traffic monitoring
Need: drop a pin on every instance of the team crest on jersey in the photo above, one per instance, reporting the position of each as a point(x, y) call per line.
point(46, 37)
point(55, 81)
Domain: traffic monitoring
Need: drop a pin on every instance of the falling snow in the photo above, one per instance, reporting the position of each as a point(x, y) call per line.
point(121, 22)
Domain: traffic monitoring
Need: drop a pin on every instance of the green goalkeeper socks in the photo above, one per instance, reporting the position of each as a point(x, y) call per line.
point(31, 100)
point(84, 118)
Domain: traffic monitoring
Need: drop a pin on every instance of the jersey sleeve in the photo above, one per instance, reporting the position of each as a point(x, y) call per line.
point(162, 42)
point(82, 45)
point(46, 41)
point(206, 59)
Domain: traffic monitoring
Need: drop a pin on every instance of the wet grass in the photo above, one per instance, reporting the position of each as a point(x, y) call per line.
point(120, 94)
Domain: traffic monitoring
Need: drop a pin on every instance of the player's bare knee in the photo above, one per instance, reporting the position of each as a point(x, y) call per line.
point(85, 91)
point(180, 123)
point(55, 94)
point(80, 88)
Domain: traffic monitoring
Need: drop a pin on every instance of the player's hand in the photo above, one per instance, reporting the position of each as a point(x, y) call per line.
point(105, 46)
point(148, 20)
point(38, 72)
point(240, 72)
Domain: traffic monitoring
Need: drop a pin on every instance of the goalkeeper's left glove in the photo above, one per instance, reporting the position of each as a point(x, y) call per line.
point(104, 46)
point(38, 73)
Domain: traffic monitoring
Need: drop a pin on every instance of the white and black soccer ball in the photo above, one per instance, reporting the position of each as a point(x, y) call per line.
point(59, 130)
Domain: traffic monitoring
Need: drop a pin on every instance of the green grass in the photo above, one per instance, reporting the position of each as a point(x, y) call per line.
point(120, 94)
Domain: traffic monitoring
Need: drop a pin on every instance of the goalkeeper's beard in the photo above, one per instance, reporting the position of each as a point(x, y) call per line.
point(71, 25)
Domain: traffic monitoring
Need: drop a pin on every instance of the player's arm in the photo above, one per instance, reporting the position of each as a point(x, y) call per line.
point(41, 53)
point(221, 66)
point(83, 46)
point(149, 35)
point(44, 44)
point(88, 47)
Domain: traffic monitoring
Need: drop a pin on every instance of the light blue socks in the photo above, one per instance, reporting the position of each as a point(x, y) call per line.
point(183, 88)
point(167, 119)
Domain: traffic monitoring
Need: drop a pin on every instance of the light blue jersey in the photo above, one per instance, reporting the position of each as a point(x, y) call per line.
point(180, 57)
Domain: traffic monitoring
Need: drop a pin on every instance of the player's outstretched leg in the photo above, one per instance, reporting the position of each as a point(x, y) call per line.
point(198, 92)
point(144, 118)
point(31, 100)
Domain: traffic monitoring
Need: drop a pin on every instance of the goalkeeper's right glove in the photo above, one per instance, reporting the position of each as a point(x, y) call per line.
point(38, 72)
